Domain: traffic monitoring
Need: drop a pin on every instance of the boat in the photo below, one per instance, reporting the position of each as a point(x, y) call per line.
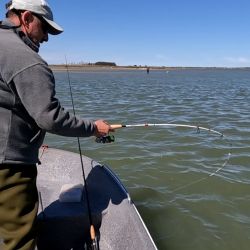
point(63, 211)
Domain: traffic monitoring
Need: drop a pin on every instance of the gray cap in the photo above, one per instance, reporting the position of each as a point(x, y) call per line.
point(40, 7)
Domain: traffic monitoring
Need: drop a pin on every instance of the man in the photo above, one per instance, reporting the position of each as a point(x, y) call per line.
point(28, 108)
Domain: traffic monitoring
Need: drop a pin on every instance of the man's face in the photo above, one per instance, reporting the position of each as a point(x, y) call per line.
point(35, 27)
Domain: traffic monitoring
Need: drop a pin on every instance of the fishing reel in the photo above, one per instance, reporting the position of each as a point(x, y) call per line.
point(105, 139)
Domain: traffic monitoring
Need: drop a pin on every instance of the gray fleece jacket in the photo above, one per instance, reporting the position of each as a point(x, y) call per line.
point(28, 106)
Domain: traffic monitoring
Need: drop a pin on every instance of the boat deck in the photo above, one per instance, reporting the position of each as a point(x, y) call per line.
point(65, 225)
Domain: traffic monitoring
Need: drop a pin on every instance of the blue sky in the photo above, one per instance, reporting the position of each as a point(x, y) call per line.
point(151, 32)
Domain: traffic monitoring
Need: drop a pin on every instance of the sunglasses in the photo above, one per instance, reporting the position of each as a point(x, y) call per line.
point(44, 24)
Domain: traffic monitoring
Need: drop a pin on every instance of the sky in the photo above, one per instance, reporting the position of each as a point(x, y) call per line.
point(187, 33)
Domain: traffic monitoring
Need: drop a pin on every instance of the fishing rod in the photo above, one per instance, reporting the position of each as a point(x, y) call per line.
point(111, 138)
point(116, 126)
point(94, 243)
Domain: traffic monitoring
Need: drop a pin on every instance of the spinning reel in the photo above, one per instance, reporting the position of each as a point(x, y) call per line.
point(105, 139)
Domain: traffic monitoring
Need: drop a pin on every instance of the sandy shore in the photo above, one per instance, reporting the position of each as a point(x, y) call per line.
point(90, 68)
point(103, 68)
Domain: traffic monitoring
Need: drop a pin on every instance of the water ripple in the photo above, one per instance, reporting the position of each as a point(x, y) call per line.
point(167, 170)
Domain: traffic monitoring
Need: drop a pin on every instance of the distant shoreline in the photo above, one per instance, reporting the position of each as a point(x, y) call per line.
point(83, 67)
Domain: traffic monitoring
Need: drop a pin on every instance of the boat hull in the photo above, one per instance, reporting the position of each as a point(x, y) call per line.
point(64, 221)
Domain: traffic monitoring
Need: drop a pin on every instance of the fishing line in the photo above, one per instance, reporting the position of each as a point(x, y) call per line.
point(204, 178)
point(110, 138)
point(93, 237)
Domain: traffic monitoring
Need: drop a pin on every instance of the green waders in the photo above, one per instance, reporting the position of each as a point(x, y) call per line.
point(18, 206)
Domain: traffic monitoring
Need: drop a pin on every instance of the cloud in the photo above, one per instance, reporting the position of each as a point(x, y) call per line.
point(238, 60)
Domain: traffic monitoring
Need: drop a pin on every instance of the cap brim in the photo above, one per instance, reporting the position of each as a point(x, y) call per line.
point(54, 28)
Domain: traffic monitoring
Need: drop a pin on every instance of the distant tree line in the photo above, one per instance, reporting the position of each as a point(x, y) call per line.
point(105, 64)
point(101, 63)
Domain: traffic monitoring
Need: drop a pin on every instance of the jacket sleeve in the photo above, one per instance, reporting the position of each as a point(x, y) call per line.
point(35, 87)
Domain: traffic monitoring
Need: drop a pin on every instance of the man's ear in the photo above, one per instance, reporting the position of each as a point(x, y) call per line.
point(27, 18)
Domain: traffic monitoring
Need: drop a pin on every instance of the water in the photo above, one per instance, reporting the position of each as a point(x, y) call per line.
point(166, 170)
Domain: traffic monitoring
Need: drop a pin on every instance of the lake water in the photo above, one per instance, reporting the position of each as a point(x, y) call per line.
point(166, 170)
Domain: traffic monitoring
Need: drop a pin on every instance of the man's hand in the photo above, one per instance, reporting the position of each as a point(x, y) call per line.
point(102, 128)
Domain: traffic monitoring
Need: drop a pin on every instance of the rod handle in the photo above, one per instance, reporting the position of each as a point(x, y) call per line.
point(92, 232)
point(116, 126)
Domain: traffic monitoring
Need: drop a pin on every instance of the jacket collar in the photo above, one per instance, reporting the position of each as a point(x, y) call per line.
point(7, 24)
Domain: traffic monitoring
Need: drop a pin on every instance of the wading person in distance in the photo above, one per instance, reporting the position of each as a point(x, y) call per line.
point(28, 108)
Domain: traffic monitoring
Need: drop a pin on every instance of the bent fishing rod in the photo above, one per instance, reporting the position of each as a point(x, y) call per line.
point(116, 126)
point(94, 241)
point(111, 138)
